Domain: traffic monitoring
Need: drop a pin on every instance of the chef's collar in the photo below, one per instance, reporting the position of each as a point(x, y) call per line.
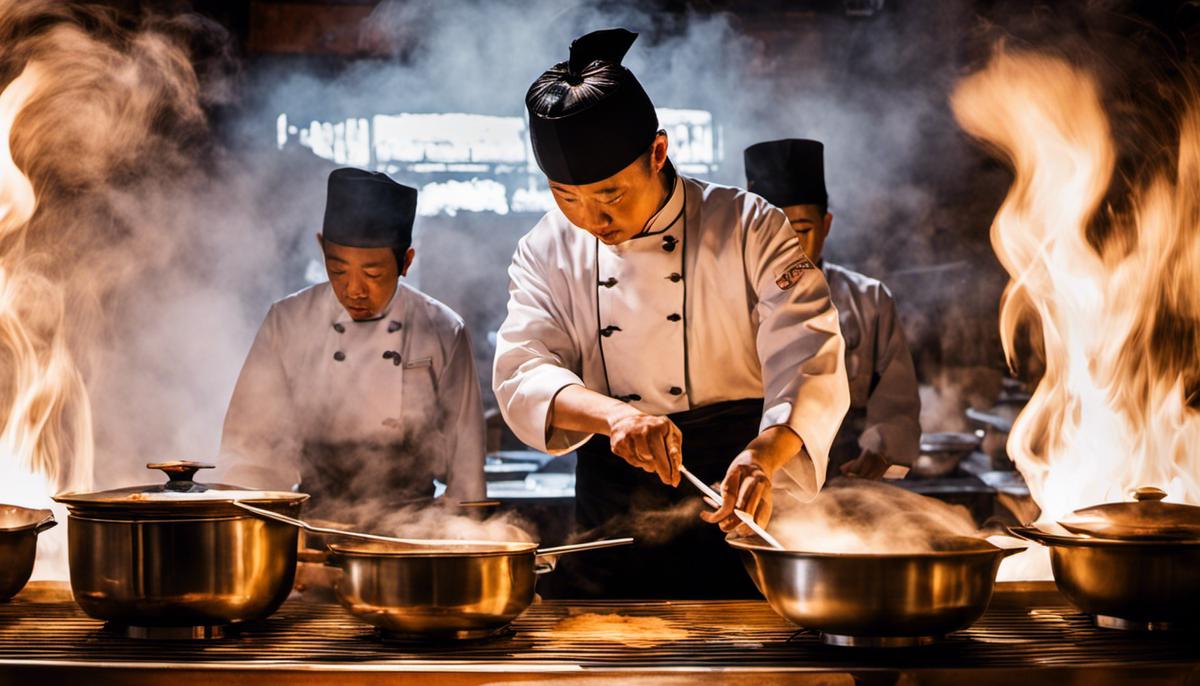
point(671, 210)
point(342, 317)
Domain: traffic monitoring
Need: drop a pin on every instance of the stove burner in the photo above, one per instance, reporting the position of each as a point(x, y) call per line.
point(1108, 622)
point(457, 637)
point(878, 641)
point(170, 633)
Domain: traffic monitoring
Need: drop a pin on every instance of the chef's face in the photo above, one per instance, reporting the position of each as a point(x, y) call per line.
point(364, 279)
point(617, 208)
point(811, 224)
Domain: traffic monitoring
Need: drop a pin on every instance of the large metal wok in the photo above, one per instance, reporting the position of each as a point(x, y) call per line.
point(1133, 565)
point(179, 560)
point(877, 600)
point(19, 529)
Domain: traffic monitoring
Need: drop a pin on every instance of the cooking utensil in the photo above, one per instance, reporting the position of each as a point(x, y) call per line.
point(1147, 518)
point(1125, 584)
point(716, 498)
point(19, 529)
point(942, 452)
point(456, 590)
point(179, 559)
point(878, 600)
point(312, 528)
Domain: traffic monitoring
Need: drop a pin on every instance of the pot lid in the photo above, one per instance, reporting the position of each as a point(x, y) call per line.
point(1146, 518)
point(180, 490)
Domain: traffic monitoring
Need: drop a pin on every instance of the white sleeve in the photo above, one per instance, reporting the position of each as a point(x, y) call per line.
point(260, 446)
point(535, 357)
point(893, 426)
point(462, 430)
point(799, 343)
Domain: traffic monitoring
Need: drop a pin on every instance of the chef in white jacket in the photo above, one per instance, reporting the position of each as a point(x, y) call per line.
point(360, 390)
point(655, 319)
point(883, 426)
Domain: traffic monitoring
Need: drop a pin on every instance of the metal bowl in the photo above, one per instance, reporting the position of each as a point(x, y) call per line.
point(456, 592)
point(19, 529)
point(877, 600)
point(1125, 584)
point(941, 453)
point(444, 590)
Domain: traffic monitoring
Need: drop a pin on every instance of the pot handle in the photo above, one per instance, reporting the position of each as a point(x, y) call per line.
point(315, 556)
point(1028, 533)
point(547, 558)
point(47, 523)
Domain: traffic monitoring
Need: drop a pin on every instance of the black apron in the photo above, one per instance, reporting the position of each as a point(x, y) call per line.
point(677, 555)
point(357, 482)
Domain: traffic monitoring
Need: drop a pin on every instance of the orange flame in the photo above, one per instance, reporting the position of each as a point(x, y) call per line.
point(1118, 310)
point(46, 437)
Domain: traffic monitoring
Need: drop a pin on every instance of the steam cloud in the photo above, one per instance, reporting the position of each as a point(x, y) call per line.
point(856, 516)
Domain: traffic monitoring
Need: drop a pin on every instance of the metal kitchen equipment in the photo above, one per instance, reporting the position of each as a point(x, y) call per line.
point(19, 529)
point(179, 560)
point(453, 591)
point(1132, 565)
point(878, 600)
point(942, 452)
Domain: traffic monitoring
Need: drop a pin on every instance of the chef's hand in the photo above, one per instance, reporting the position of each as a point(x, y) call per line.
point(747, 483)
point(647, 442)
point(746, 487)
point(868, 465)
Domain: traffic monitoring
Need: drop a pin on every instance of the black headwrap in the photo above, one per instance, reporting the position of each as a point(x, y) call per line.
point(787, 172)
point(368, 210)
point(589, 118)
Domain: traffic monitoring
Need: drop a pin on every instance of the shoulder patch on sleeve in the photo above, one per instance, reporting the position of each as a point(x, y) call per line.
point(791, 275)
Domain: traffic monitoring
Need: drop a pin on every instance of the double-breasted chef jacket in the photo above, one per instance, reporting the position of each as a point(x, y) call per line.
point(358, 411)
point(715, 301)
point(885, 406)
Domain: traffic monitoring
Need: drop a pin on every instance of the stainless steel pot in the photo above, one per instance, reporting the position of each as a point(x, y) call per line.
point(1148, 585)
point(443, 590)
point(877, 600)
point(19, 529)
point(179, 559)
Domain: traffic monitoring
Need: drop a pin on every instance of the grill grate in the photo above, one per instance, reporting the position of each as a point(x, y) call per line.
point(717, 634)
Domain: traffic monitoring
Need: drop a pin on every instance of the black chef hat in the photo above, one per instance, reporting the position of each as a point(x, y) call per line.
point(787, 172)
point(589, 118)
point(368, 210)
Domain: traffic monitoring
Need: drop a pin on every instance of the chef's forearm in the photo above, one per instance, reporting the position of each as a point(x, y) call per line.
point(772, 448)
point(576, 408)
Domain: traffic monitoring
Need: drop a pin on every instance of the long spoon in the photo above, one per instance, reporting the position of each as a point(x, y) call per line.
point(312, 528)
point(746, 518)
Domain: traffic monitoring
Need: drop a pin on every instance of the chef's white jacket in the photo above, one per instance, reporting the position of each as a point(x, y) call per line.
point(714, 301)
point(883, 383)
point(314, 374)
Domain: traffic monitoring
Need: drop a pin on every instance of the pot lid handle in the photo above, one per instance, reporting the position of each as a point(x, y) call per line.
point(180, 473)
point(1148, 494)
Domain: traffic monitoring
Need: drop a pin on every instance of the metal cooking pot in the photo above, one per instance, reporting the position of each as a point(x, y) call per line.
point(877, 600)
point(941, 453)
point(443, 590)
point(179, 560)
point(19, 528)
point(1132, 565)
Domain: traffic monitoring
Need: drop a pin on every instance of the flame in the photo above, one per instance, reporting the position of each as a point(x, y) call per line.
point(46, 437)
point(1116, 303)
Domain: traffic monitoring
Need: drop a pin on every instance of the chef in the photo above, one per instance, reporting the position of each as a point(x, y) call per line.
point(882, 427)
point(361, 390)
point(656, 320)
